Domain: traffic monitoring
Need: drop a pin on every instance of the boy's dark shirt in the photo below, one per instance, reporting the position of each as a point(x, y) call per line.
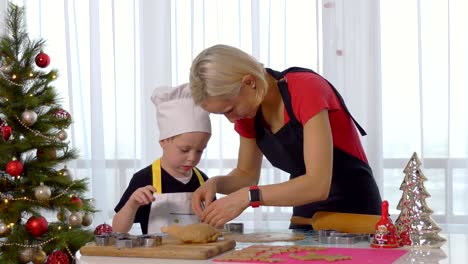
point(143, 178)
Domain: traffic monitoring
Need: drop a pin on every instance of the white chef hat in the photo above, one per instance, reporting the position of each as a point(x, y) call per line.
point(176, 112)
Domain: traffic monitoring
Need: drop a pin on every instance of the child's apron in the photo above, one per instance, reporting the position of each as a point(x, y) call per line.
point(170, 208)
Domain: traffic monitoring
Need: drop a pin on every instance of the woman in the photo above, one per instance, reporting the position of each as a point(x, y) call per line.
point(299, 122)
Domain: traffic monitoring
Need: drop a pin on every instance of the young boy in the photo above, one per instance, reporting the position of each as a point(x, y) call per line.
point(160, 194)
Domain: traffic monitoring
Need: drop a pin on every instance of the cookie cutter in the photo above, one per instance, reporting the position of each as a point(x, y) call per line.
point(102, 240)
point(149, 240)
point(124, 243)
point(335, 237)
point(234, 227)
point(114, 236)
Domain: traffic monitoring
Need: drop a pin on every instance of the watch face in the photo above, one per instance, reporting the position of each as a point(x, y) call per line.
point(254, 195)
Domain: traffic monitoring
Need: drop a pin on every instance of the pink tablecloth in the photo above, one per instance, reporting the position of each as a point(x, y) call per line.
point(359, 256)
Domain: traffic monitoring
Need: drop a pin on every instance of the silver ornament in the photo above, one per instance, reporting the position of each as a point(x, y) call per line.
point(87, 219)
point(25, 255)
point(28, 117)
point(62, 135)
point(3, 228)
point(75, 219)
point(42, 192)
point(65, 173)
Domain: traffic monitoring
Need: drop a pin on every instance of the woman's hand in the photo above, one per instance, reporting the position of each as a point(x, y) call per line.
point(203, 196)
point(142, 196)
point(226, 208)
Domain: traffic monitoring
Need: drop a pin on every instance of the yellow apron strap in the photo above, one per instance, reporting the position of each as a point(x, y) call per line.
point(200, 178)
point(156, 168)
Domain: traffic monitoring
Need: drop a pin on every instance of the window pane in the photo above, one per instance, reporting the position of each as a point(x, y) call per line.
point(460, 192)
point(400, 81)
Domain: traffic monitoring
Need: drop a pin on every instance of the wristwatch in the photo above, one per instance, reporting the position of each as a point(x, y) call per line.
point(254, 196)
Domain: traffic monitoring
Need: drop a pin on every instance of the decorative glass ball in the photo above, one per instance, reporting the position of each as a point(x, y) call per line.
point(37, 225)
point(29, 117)
point(62, 135)
point(102, 229)
point(75, 219)
point(65, 173)
point(14, 167)
point(47, 153)
point(42, 60)
point(3, 229)
point(87, 219)
point(42, 192)
point(58, 257)
point(25, 255)
point(39, 257)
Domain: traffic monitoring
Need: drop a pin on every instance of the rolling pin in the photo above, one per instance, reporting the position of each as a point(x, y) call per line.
point(341, 222)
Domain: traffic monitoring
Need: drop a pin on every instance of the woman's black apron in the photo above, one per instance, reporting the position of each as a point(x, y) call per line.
point(353, 187)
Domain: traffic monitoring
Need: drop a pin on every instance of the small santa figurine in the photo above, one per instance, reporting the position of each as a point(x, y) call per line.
point(385, 235)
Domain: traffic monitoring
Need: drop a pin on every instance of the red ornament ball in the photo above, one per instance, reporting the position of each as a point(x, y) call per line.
point(42, 60)
point(102, 229)
point(58, 257)
point(6, 132)
point(37, 225)
point(76, 201)
point(14, 167)
point(61, 114)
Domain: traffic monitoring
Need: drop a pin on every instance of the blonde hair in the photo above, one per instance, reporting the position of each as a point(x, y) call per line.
point(218, 71)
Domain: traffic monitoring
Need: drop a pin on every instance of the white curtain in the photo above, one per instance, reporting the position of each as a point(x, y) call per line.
point(400, 66)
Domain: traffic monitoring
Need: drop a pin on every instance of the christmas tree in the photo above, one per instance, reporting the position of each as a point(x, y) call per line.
point(34, 179)
point(415, 225)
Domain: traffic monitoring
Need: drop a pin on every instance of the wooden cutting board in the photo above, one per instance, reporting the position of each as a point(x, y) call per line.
point(170, 249)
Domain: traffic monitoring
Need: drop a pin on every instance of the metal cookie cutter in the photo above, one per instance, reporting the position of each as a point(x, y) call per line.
point(149, 240)
point(335, 237)
point(102, 240)
point(124, 243)
point(116, 236)
point(234, 227)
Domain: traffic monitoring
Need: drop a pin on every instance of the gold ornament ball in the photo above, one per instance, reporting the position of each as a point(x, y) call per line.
point(61, 216)
point(29, 117)
point(39, 257)
point(25, 255)
point(75, 220)
point(42, 192)
point(87, 219)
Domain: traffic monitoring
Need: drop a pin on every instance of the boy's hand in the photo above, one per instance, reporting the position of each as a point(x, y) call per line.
point(143, 196)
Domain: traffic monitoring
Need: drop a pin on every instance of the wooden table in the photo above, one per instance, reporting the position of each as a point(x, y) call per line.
point(454, 251)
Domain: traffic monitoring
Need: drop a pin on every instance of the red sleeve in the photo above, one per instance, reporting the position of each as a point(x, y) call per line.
point(245, 127)
point(310, 94)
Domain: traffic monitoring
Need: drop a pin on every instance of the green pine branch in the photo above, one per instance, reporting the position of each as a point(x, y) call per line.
point(26, 87)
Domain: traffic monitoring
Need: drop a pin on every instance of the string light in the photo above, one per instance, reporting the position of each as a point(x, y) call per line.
point(8, 79)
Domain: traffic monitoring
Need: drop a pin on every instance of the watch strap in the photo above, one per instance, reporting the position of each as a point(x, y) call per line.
point(254, 196)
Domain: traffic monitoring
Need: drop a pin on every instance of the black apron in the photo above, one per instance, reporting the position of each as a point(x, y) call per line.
point(353, 187)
